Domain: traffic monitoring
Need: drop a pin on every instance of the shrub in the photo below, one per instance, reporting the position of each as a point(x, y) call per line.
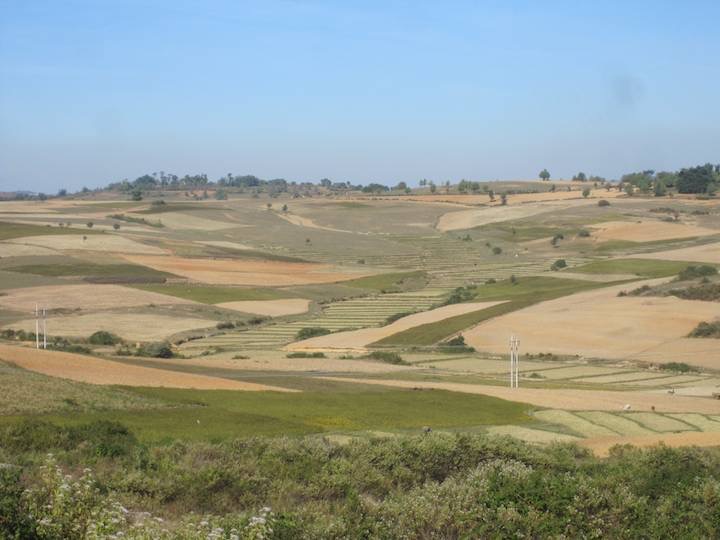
point(584, 233)
point(158, 349)
point(497, 250)
point(680, 367)
point(694, 272)
point(459, 295)
point(558, 265)
point(708, 292)
point(457, 341)
point(603, 202)
point(312, 331)
point(556, 239)
point(225, 325)
point(300, 354)
point(101, 337)
point(388, 357)
point(490, 281)
point(706, 330)
point(394, 317)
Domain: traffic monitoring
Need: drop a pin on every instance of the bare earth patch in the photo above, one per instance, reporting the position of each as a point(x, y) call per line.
point(270, 308)
point(596, 324)
point(359, 339)
point(601, 445)
point(646, 231)
point(565, 398)
point(98, 371)
point(96, 242)
point(246, 272)
point(88, 297)
point(129, 326)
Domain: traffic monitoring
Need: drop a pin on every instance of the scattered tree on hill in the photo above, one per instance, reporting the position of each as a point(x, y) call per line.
point(580, 177)
point(136, 195)
point(544, 175)
point(586, 192)
point(696, 179)
point(116, 226)
point(503, 199)
point(89, 224)
point(433, 187)
point(558, 265)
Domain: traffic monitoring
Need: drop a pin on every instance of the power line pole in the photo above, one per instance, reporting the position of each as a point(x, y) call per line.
point(37, 327)
point(44, 313)
point(514, 362)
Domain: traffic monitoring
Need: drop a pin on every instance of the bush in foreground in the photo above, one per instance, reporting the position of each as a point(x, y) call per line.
point(101, 337)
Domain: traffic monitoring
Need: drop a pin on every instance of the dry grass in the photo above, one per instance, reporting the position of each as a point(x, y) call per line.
point(93, 370)
point(596, 324)
point(484, 365)
point(129, 326)
point(358, 339)
point(707, 253)
point(646, 231)
point(187, 222)
point(565, 398)
point(618, 424)
point(531, 435)
point(8, 249)
point(86, 297)
point(700, 421)
point(577, 424)
point(659, 422)
point(247, 272)
point(270, 308)
point(704, 353)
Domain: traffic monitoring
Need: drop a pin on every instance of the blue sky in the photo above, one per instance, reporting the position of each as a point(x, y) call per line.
point(96, 91)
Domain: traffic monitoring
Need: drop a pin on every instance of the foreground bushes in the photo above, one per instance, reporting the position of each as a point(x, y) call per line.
point(433, 486)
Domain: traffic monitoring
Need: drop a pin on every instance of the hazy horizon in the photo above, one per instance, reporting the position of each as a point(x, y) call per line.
point(366, 92)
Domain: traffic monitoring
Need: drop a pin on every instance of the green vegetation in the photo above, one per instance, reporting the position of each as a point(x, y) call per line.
point(695, 272)
point(679, 367)
point(396, 316)
point(558, 265)
point(391, 282)
point(160, 207)
point(310, 332)
point(649, 268)
point(523, 293)
point(300, 354)
point(706, 330)
point(209, 294)
point(19, 230)
point(159, 349)
point(432, 486)
point(387, 357)
point(101, 337)
point(97, 273)
point(707, 292)
point(139, 221)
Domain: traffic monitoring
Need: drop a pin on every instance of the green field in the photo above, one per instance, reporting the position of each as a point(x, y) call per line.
point(90, 270)
point(526, 292)
point(649, 268)
point(218, 415)
point(20, 230)
point(208, 294)
point(391, 281)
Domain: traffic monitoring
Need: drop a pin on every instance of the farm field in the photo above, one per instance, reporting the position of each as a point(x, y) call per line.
point(351, 302)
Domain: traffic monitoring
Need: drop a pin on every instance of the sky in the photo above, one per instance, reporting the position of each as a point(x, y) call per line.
point(375, 91)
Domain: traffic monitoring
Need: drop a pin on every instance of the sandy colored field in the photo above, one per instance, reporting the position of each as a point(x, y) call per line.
point(467, 219)
point(270, 308)
point(129, 326)
point(703, 353)
point(359, 339)
point(23, 250)
point(484, 365)
point(247, 272)
point(568, 399)
point(646, 231)
point(601, 445)
point(596, 324)
point(88, 296)
point(96, 242)
point(98, 371)
point(226, 244)
point(707, 253)
point(189, 222)
point(276, 361)
point(307, 222)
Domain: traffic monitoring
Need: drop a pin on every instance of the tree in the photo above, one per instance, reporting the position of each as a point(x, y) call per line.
point(433, 187)
point(553, 187)
point(586, 193)
point(544, 175)
point(221, 195)
point(503, 199)
point(89, 224)
point(401, 186)
point(42, 196)
point(580, 177)
point(695, 179)
point(491, 194)
point(659, 188)
point(269, 205)
point(62, 192)
point(136, 195)
point(629, 189)
point(116, 226)
point(284, 208)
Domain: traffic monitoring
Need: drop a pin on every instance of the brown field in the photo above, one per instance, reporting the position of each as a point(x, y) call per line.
point(270, 308)
point(93, 370)
point(98, 242)
point(707, 253)
point(564, 398)
point(8, 249)
point(596, 324)
point(247, 272)
point(704, 353)
point(129, 326)
point(601, 445)
point(359, 339)
point(646, 231)
point(86, 297)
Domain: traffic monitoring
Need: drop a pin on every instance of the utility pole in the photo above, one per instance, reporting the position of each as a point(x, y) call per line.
point(37, 327)
point(44, 313)
point(514, 362)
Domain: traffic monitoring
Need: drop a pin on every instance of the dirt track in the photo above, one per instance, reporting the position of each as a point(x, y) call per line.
point(568, 399)
point(93, 370)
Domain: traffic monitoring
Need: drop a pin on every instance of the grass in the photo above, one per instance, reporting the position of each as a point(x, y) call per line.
point(19, 230)
point(208, 294)
point(90, 270)
point(395, 281)
point(649, 268)
point(218, 415)
point(26, 392)
point(526, 292)
point(175, 207)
